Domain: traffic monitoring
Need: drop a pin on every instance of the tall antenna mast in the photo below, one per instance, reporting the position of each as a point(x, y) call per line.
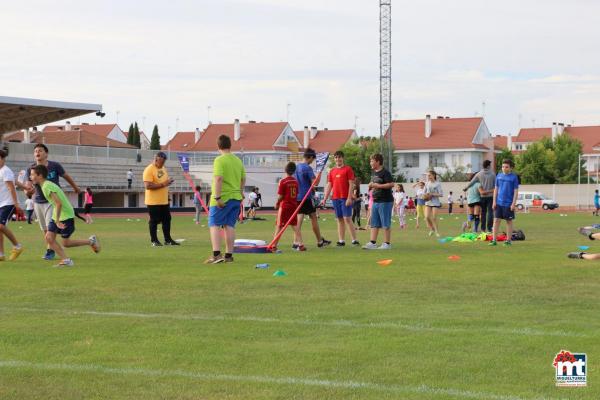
point(385, 76)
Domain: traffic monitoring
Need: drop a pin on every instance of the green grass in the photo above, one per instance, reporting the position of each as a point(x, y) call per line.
point(155, 323)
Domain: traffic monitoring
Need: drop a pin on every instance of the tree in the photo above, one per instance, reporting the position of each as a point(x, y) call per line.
point(458, 175)
point(155, 140)
point(567, 151)
point(136, 136)
point(536, 165)
point(130, 135)
point(505, 154)
point(357, 154)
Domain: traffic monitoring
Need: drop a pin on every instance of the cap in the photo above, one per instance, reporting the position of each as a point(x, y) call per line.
point(162, 154)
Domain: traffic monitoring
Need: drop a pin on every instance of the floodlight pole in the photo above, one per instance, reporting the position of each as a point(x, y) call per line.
point(385, 76)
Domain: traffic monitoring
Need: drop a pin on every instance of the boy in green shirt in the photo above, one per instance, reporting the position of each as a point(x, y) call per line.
point(63, 217)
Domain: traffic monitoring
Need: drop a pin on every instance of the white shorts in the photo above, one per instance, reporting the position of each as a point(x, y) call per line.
point(43, 212)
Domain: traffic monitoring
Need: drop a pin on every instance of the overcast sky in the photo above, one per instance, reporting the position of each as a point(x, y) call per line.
point(248, 59)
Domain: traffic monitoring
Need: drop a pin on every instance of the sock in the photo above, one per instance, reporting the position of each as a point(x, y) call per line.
point(476, 224)
point(228, 255)
point(591, 236)
point(373, 241)
point(216, 253)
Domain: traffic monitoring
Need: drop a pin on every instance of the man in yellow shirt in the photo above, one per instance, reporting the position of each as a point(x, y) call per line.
point(157, 182)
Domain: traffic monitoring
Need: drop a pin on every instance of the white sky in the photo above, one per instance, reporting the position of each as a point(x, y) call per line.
point(248, 58)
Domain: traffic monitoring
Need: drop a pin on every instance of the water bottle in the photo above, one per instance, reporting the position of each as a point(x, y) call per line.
point(262, 266)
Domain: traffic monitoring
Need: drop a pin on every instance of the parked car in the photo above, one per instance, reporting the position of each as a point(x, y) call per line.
point(535, 199)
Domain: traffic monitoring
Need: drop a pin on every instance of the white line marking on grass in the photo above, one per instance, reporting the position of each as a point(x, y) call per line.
point(335, 323)
point(421, 389)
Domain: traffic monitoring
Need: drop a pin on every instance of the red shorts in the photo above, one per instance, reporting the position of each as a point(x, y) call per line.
point(284, 214)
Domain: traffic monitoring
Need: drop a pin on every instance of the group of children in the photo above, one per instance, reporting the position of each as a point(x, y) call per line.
point(55, 213)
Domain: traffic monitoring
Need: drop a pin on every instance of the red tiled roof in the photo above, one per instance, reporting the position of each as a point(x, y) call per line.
point(182, 141)
point(328, 140)
point(259, 136)
point(98, 129)
point(447, 133)
point(587, 135)
point(500, 142)
point(74, 138)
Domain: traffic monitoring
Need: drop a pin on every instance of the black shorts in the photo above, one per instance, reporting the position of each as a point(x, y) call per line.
point(6, 213)
point(474, 204)
point(64, 233)
point(88, 208)
point(504, 212)
point(307, 208)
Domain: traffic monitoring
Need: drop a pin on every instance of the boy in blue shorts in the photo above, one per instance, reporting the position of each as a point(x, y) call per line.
point(229, 178)
point(596, 203)
point(506, 191)
point(340, 181)
point(63, 217)
point(381, 184)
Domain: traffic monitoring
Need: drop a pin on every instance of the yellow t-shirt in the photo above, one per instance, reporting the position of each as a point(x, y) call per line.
point(160, 196)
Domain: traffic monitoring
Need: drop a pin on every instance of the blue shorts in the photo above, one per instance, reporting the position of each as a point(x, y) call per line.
point(504, 212)
point(226, 216)
point(5, 214)
point(381, 215)
point(341, 209)
point(64, 233)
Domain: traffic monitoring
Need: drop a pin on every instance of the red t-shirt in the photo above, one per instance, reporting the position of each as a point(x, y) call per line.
point(288, 189)
point(339, 177)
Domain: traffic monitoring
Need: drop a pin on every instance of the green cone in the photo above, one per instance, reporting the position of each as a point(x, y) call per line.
point(279, 272)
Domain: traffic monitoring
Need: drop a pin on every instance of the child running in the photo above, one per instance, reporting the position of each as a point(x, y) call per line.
point(400, 204)
point(506, 191)
point(286, 206)
point(63, 217)
point(89, 203)
point(8, 205)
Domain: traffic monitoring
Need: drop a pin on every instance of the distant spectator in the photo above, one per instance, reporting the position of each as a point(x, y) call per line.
point(29, 208)
point(197, 204)
point(157, 182)
point(487, 178)
point(89, 203)
point(129, 178)
point(596, 203)
point(450, 203)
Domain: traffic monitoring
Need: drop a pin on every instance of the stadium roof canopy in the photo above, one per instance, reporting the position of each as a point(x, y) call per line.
point(20, 113)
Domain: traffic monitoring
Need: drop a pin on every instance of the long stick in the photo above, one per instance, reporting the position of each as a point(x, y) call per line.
point(191, 183)
point(278, 236)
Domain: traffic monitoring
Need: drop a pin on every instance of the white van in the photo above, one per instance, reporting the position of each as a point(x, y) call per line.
point(535, 199)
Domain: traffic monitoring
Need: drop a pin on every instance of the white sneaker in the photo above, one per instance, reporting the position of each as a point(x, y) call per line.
point(385, 246)
point(67, 262)
point(430, 233)
point(437, 234)
point(370, 246)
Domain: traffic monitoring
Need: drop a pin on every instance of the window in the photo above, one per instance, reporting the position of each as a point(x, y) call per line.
point(411, 160)
point(436, 160)
point(457, 160)
point(528, 197)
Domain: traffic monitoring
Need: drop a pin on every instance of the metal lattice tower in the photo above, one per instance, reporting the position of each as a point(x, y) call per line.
point(385, 75)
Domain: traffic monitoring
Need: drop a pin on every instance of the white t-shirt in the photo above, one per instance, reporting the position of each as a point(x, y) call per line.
point(252, 198)
point(450, 199)
point(29, 204)
point(399, 199)
point(6, 175)
point(130, 175)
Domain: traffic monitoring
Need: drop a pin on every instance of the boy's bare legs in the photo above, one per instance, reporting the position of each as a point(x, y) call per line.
point(351, 228)
point(51, 240)
point(229, 239)
point(341, 228)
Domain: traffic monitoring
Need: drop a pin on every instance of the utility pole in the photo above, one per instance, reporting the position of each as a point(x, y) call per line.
point(385, 76)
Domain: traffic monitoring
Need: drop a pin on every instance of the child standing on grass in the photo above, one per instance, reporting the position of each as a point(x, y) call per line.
point(286, 205)
point(400, 204)
point(29, 208)
point(596, 203)
point(432, 195)
point(419, 193)
point(63, 217)
point(473, 207)
point(506, 191)
point(8, 205)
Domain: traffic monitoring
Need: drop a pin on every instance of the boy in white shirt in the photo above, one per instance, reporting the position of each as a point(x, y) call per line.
point(29, 208)
point(8, 205)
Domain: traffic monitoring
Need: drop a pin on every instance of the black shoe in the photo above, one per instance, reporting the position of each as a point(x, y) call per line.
point(228, 259)
point(340, 244)
point(355, 243)
point(156, 244)
point(575, 255)
point(323, 243)
point(171, 243)
point(294, 246)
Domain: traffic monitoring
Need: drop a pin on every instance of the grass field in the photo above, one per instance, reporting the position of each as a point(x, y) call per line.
point(155, 323)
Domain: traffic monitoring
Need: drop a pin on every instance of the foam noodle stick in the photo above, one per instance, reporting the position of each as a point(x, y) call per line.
point(384, 263)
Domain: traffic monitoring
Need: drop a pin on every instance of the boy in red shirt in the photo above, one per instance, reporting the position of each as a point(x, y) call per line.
point(287, 204)
point(341, 180)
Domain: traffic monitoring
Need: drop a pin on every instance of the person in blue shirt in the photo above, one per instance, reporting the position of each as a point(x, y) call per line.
point(305, 177)
point(506, 191)
point(596, 203)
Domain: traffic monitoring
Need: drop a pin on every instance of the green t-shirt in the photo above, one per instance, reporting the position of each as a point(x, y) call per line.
point(66, 211)
point(232, 170)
